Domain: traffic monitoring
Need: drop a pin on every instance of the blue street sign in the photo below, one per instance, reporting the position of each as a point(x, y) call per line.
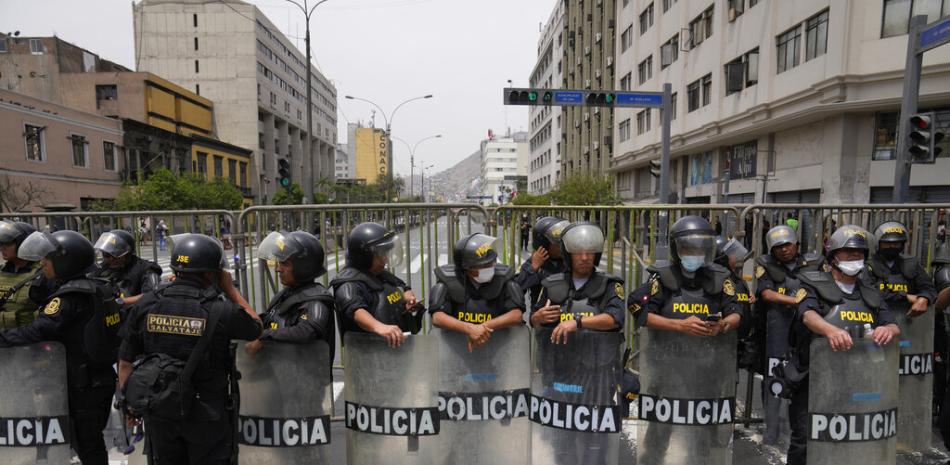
point(568, 97)
point(639, 99)
point(935, 35)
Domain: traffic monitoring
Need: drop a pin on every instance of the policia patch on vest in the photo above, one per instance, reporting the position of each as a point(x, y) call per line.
point(618, 289)
point(52, 307)
point(173, 324)
point(728, 288)
point(800, 295)
point(759, 271)
point(655, 286)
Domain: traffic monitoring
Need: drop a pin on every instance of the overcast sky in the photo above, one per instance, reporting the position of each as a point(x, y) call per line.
point(462, 51)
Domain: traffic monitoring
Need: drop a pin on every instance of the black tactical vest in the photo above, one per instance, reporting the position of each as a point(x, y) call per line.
point(587, 302)
point(699, 300)
point(481, 305)
point(889, 281)
point(389, 307)
point(843, 310)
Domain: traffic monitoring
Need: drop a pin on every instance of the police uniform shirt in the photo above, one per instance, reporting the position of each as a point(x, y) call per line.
point(139, 276)
point(895, 293)
point(350, 294)
point(764, 280)
point(309, 321)
point(476, 307)
point(530, 280)
point(609, 300)
point(726, 302)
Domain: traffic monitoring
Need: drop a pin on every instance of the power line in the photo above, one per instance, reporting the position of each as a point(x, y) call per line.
point(316, 63)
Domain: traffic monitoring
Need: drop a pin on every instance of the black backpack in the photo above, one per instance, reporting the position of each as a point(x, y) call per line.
point(101, 331)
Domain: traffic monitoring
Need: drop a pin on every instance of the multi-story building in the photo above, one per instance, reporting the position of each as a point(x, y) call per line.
point(342, 162)
point(545, 160)
point(504, 166)
point(588, 63)
point(774, 101)
point(370, 153)
point(229, 52)
point(56, 158)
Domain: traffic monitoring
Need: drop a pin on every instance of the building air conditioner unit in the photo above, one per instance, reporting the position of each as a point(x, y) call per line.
point(732, 14)
point(577, 124)
point(587, 83)
point(586, 150)
point(597, 37)
point(578, 60)
point(597, 73)
point(586, 117)
point(596, 110)
point(587, 50)
point(610, 61)
point(596, 145)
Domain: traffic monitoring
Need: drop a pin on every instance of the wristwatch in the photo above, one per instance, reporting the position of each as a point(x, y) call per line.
point(578, 320)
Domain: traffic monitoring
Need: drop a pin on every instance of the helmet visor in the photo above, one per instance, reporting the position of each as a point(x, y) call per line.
point(735, 251)
point(8, 232)
point(554, 231)
point(391, 248)
point(479, 251)
point(584, 238)
point(111, 244)
point(697, 244)
point(278, 246)
point(36, 246)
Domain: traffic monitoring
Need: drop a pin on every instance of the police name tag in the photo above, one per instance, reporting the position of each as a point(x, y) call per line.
point(575, 417)
point(465, 406)
point(284, 432)
point(392, 421)
point(35, 431)
point(174, 324)
point(852, 427)
point(690, 412)
point(917, 364)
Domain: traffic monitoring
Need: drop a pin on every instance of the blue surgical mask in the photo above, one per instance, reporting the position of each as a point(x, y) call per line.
point(691, 263)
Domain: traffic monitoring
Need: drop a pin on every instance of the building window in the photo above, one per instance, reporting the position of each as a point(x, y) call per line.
point(692, 96)
point(670, 51)
point(218, 167)
point(106, 92)
point(202, 165)
point(645, 70)
point(701, 28)
point(232, 171)
point(109, 155)
point(196, 66)
point(625, 82)
point(3, 45)
point(788, 44)
point(36, 46)
point(196, 43)
point(673, 106)
point(198, 89)
point(816, 35)
point(897, 14)
point(194, 20)
point(707, 89)
point(700, 169)
point(742, 72)
point(643, 121)
point(80, 150)
point(243, 177)
point(646, 19)
point(885, 136)
point(667, 4)
point(35, 144)
point(626, 39)
point(735, 8)
point(624, 130)
point(740, 160)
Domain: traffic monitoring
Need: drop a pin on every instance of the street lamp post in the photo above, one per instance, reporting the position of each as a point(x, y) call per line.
point(308, 143)
point(388, 119)
point(412, 156)
point(423, 180)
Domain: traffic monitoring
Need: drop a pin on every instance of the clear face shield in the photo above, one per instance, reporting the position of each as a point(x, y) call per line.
point(8, 232)
point(695, 250)
point(480, 251)
point(37, 246)
point(277, 247)
point(392, 249)
point(736, 252)
point(112, 245)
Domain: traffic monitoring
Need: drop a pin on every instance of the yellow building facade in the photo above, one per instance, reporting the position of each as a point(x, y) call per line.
point(372, 155)
point(173, 108)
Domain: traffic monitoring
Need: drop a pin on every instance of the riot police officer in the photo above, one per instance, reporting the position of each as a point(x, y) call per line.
point(777, 287)
point(66, 258)
point(581, 296)
point(368, 297)
point(303, 310)
point(941, 267)
point(941, 280)
point(132, 275)
point(691, 294)
point(820, 315)
point(475, 295)
point(546, 259)
point(169, 323)
point(16, 277)
point(906, 286)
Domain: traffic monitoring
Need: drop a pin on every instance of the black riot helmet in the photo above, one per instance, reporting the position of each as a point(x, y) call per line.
point(474, 251)
point(368, 240)
point(581, 237)
point(15, 232)
point(941, 255)
point(539, 237)
point(848, 237)
point(196, 253)
point(692, 235)
point(70, 252)
point(302, 249)
point(891, 231)
point(721, 258)
point(117, 243)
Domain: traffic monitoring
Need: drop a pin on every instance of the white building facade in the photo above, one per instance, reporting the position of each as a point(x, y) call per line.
point(774, 101)
point(504, 162)
point(229, 52)
point(545, 122)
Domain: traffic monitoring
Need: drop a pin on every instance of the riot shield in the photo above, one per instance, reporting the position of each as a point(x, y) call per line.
point(915, 410)
point(574, 399)
point(687, 398)
point(852, 404)
point(286, 403)
point(391, 408)
point(483, 398)
point(34, 415)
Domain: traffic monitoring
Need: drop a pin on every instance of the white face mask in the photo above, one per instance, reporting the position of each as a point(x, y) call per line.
point(852, 267)
point(485, 275)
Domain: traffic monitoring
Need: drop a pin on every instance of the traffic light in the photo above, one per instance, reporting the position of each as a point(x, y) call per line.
point(283, 172)
point(521, 97)
point(924, 138)
point(601, 99)
point(561, 97)
point(655, 168)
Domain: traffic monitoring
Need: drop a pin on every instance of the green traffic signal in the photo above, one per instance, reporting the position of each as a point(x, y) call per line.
point(547, 97)
point(609, 98)
point(532, 96)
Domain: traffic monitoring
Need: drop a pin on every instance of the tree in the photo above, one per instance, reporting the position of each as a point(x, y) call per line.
point(290, 196)
point(164, 190)
point(15, 196)
point(575, 190)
